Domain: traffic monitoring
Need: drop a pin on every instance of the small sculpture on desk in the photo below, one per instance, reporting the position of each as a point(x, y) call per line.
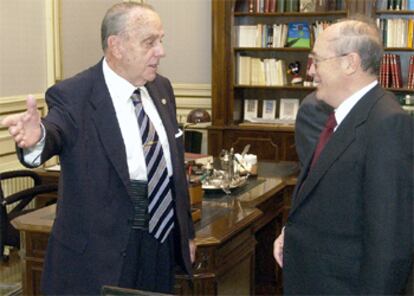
point(294, 69)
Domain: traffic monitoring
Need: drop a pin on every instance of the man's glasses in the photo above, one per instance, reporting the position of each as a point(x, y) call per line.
point(316, 60)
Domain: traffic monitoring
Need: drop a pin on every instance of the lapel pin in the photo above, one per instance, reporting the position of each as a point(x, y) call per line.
point(163, 101)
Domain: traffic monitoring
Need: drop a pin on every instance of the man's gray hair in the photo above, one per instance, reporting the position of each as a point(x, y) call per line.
point(116, 19)
point(361, 35)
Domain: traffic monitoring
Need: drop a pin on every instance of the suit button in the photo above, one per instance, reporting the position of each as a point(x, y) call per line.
point(123, 253)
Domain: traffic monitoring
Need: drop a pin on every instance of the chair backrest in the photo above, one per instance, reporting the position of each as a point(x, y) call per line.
point(18, 190)
point(15, 181)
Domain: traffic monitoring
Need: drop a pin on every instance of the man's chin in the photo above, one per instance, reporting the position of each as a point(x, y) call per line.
point(151, 77)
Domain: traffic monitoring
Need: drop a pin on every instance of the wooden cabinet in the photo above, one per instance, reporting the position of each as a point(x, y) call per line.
point(270, 142)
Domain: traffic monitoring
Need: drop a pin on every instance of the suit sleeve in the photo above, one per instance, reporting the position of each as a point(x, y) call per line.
point(59, 128)
point(388, 206)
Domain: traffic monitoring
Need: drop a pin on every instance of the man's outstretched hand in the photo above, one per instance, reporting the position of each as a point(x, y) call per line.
point(25, 127)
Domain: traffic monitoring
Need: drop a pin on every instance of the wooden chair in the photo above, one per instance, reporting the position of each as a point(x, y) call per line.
point(17, 190)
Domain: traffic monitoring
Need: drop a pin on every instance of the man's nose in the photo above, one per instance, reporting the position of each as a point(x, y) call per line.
point(159, 50)
point(312, 70)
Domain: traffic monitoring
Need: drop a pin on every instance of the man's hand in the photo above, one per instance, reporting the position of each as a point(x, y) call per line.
point(193, 248)
point(278, 248)
point(25, 127)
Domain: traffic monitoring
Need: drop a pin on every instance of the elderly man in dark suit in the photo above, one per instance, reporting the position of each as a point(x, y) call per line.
point(350, 229)
point(123, 216)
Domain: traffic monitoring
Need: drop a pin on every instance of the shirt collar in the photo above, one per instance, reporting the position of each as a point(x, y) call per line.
point(119, 87)
point(346, 106)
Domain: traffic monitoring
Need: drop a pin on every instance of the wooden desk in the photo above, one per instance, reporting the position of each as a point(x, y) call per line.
point(234, 242)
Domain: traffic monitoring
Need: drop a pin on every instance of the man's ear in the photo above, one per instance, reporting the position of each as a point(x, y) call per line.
point(115, 46)
point(351, 63)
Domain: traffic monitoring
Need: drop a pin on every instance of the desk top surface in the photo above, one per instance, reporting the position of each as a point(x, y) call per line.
point(221, 216)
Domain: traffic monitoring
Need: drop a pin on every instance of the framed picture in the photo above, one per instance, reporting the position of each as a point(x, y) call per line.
point(269, 109)
point(288, 108)
point(250, 109)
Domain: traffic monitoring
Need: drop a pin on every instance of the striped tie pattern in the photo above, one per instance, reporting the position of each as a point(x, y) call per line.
point(160, 203)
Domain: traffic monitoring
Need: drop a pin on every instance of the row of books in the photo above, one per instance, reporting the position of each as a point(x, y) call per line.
point(397, 32)
point(256, 71)
point(395, 4)
point(272, 72)
point(265, 111)
point(294, 34)
point(390, 72)
point(281, 6)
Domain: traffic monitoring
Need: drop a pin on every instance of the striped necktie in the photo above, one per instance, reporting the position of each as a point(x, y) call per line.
point(160, 203)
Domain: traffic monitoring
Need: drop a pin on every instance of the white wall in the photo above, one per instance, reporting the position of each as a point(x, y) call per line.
point(23, 47)
point(187, 26)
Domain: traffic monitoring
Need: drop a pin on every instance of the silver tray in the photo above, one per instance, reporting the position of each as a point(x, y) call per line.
point(217, 184)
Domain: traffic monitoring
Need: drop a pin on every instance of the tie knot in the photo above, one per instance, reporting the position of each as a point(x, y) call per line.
point(331, 122)
point(136, 96)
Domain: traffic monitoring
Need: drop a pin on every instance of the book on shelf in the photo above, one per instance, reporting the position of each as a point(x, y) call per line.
point(280, 5)
point(410, 81)
point(250, 109)
point(291, 5)
point(269, 109)
point(381, 4)
point(307, 6)
point(396, 71)
point(410, 5)
point(298, 35)
point(247, 35)
point(243, 72)
point(410, 33)
point(288, 108)
point(384, 71)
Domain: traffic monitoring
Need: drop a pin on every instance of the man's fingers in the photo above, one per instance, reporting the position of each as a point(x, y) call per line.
point(11, 120)
point(31, 105)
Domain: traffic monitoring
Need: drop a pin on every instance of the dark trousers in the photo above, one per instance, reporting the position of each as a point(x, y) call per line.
point(148, 264)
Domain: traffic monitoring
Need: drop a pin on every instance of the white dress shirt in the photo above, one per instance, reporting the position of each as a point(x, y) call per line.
point(342, 111)
point(121, 91)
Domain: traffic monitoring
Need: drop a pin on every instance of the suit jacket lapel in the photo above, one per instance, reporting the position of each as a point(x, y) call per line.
point(340, 141)
point(106, 124)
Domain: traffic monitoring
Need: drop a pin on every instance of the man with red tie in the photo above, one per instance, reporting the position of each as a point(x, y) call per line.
point(350, 228)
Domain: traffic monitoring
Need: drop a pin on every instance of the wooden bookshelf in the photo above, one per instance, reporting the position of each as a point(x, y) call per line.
point(270, 142)
point(228, 96)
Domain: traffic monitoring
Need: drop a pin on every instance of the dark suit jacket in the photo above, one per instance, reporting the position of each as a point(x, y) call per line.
point(92, 227)
point(350, 228)
point(310, 121)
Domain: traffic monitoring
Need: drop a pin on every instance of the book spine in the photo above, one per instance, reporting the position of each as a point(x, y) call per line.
point(411, 73)
point(387, 70)
point(398, 72)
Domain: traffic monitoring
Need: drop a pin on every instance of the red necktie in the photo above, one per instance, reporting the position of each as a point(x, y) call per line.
point(324, 137)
